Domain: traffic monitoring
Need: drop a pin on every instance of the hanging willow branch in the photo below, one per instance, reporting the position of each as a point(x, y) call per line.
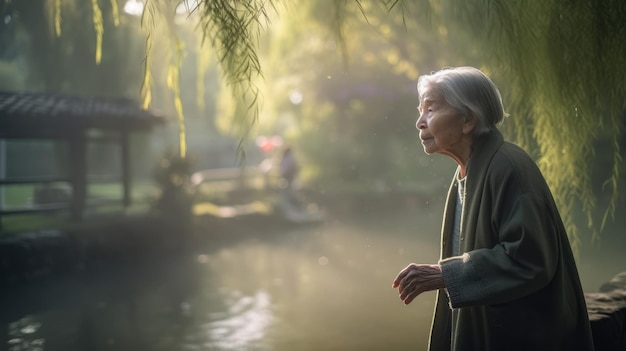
point(57, 17)
point(98, 26)
point(232, 29)
point(566, 61)
point(157, 12)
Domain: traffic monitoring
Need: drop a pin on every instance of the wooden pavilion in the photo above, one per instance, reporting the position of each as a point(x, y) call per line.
point(44, 116)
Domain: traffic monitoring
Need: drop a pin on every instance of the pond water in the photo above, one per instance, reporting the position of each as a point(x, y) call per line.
point(321, 287)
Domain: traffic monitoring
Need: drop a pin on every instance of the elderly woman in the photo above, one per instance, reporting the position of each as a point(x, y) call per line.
point(507, 279)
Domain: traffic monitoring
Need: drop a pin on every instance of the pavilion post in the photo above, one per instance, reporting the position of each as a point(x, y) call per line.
point(78, 174)
point(126, 171)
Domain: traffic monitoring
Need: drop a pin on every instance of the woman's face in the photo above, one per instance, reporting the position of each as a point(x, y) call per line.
point(442, 129)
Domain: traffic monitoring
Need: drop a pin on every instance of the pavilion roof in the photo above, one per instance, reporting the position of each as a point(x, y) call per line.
point(29, 114)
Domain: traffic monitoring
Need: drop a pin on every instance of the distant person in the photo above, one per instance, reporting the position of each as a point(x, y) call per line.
point(289, 169)
point(507, 279)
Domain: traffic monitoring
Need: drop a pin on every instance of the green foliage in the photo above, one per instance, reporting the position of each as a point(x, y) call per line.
point(560, 65)
point(58, 47)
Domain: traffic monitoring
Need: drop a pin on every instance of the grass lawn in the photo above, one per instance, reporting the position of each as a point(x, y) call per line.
point(103, 199)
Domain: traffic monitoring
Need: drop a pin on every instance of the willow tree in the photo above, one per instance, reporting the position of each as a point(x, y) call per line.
point(563, 63)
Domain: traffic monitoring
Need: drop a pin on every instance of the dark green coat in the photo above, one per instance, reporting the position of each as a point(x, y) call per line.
point(515, 285)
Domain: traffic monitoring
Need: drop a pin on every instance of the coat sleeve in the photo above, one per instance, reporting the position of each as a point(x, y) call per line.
point(521, 260)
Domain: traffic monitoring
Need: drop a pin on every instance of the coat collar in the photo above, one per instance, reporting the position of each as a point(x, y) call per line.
point(483, 150)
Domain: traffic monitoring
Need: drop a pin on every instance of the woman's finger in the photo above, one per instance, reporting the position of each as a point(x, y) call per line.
point(400, 276)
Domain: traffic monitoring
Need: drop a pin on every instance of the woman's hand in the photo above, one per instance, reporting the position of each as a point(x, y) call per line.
point(416, 279)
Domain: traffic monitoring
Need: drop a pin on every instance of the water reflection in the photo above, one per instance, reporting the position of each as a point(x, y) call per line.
point(244, 325)
point(23, 335)
point(329, 287)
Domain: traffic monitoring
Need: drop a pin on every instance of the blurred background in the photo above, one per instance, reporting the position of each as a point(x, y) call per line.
point(184, 231)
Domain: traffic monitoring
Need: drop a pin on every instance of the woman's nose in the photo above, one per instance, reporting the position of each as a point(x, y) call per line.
point(421, 122)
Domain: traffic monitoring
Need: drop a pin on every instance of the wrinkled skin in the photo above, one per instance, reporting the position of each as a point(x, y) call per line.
point(416, 279)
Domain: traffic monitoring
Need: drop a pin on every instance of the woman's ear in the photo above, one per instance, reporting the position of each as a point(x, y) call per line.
point(471, 122)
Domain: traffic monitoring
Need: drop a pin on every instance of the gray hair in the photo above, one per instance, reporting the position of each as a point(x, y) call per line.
point(470, 92)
